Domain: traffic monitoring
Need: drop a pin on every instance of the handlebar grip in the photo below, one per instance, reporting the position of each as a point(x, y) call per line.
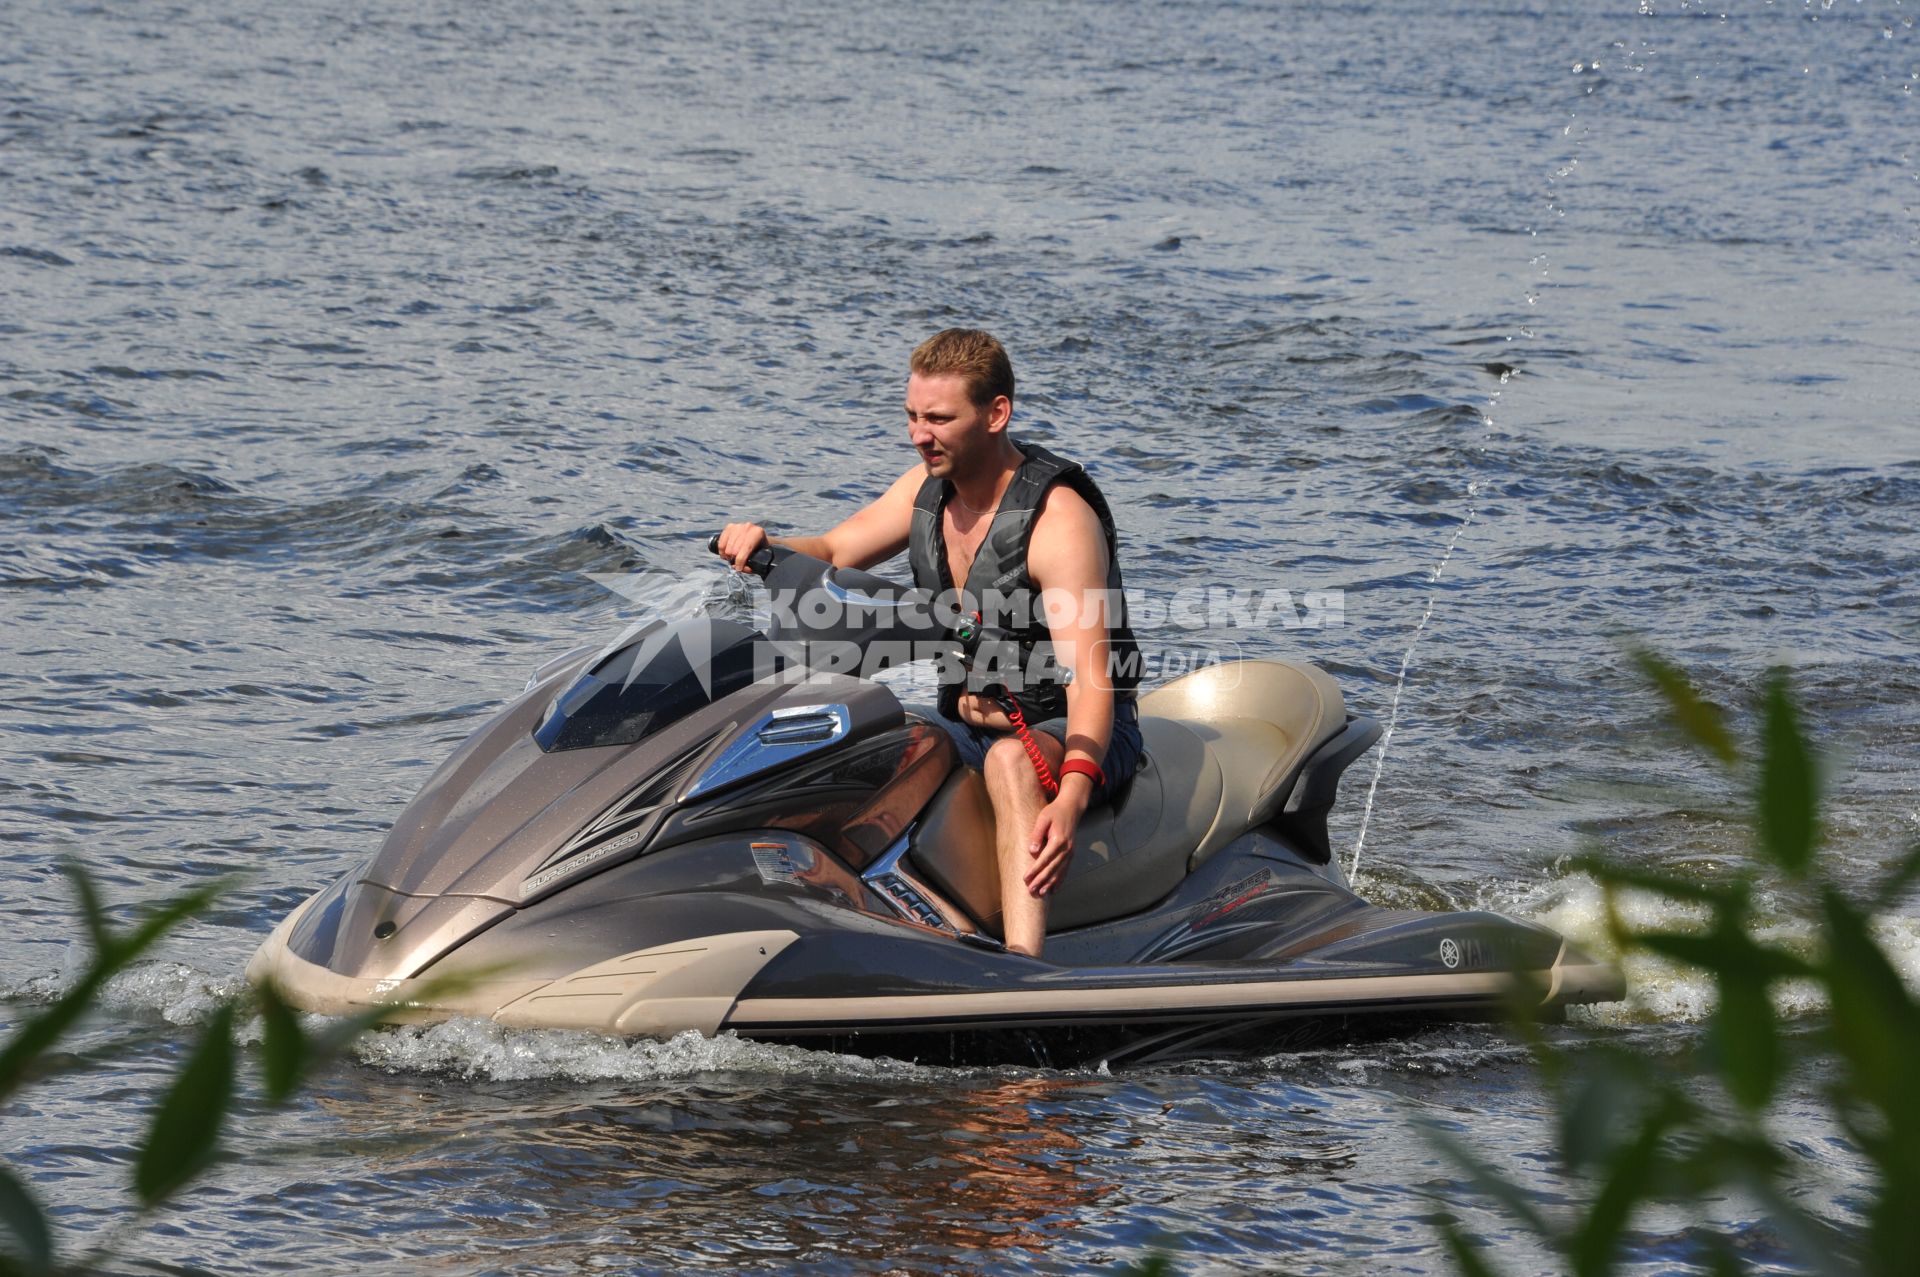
point(760, 562)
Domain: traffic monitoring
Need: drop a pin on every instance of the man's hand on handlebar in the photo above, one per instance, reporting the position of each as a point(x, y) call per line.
point(738, 542)
point(983, 711)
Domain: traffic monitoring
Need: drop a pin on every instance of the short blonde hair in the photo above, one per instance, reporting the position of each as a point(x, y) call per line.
point(971, 354)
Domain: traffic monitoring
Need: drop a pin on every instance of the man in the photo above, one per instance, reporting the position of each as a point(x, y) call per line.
point(1030, 543)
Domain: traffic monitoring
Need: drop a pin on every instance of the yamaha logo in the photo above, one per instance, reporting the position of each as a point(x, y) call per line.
point(1449, 954)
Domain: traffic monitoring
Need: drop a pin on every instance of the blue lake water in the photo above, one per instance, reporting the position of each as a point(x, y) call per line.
point(343, 345)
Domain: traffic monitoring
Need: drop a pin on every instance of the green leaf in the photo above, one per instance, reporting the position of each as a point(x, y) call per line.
point(1876, 1024)
point(1746, 1041)
point(1466, 1256)
point(170, 914)
point(1643, 1139)
point(1707, 1162)
point(1594, 1109)
point(112, 955)
point(1631, 1178)
point(1787, 799)
point(1819, 1246)
point(30, 1241)
point(1720, 952)
point(186, 1126)
point(1700, 721)
point(285, 1052)
point(1610, 873)
point(91, 911)
point(1888, 891)
point(1722, 1259)
point(290, 1053)
point(1875, 1027)
point(40, 1032)
point(1706, 951)
point(1488, 1180)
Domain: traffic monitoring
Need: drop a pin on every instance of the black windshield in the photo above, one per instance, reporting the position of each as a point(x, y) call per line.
point(666, 672)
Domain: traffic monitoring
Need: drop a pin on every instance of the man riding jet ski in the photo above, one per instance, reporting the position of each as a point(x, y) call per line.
point(708, 828)
point(999, 527)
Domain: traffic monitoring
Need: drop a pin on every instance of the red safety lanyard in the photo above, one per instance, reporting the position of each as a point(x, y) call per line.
point(1020, 729)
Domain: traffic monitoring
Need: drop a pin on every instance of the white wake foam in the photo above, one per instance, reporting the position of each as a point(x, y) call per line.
point(173, 991)
point(479, 1049)
point(1661, 990)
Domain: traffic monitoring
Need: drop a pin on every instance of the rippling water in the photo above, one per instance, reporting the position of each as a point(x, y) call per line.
point(341, 346)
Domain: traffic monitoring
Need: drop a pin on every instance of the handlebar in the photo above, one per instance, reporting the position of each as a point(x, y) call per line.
point(760, 562)
point(857, 607)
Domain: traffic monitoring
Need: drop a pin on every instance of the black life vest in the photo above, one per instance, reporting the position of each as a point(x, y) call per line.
point(1000, 590)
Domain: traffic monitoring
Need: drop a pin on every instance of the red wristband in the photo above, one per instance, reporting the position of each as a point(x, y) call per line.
point(1090, 770)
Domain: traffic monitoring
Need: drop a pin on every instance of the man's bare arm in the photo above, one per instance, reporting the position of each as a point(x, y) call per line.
point(872, 534)
point(1068, 561)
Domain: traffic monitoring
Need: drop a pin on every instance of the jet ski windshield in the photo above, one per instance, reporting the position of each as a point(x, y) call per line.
point(665, 673)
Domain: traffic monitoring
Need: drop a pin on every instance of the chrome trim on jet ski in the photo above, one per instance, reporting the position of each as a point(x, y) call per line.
point(779, 737)
point(1186, 1000)
point(896, 889)
point(888, 861)
point(872, 605)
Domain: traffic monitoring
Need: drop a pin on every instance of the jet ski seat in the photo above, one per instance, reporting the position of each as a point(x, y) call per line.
point(1222, 745)
point(1262, 720)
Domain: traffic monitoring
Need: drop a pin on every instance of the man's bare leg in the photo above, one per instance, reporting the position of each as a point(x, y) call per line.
point(1015, 790)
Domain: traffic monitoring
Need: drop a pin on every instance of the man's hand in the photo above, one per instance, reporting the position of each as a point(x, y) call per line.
point(739, 542)
point(1052, 843)
point(982, 711)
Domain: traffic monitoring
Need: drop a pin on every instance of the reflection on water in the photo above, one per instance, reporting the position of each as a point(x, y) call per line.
point(1020, 1167)
point(727, 1162)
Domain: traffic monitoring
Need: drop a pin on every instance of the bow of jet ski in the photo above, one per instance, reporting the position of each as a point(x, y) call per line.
point(696, 830)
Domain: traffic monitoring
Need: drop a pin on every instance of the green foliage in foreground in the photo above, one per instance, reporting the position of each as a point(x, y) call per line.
point(1636, 1134)
point(183, 1131)
point(1631, 1130)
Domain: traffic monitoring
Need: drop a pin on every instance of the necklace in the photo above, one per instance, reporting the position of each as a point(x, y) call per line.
point(978, 514)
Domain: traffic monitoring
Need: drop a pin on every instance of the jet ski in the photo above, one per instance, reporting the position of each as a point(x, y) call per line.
point(711, 828)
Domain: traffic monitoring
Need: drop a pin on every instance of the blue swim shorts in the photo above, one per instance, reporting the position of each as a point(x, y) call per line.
point(1123, 749)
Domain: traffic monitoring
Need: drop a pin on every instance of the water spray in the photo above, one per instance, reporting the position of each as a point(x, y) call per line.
point(1566, 168)
point(1406, 660)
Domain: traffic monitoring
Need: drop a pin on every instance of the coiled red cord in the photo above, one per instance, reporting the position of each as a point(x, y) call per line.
point(1047, 783)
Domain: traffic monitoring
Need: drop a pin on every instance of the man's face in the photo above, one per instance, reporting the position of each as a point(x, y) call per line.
point(948, 429)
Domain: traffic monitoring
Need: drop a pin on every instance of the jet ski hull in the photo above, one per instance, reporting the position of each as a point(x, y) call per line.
point(696, 831)
point(710, 937)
